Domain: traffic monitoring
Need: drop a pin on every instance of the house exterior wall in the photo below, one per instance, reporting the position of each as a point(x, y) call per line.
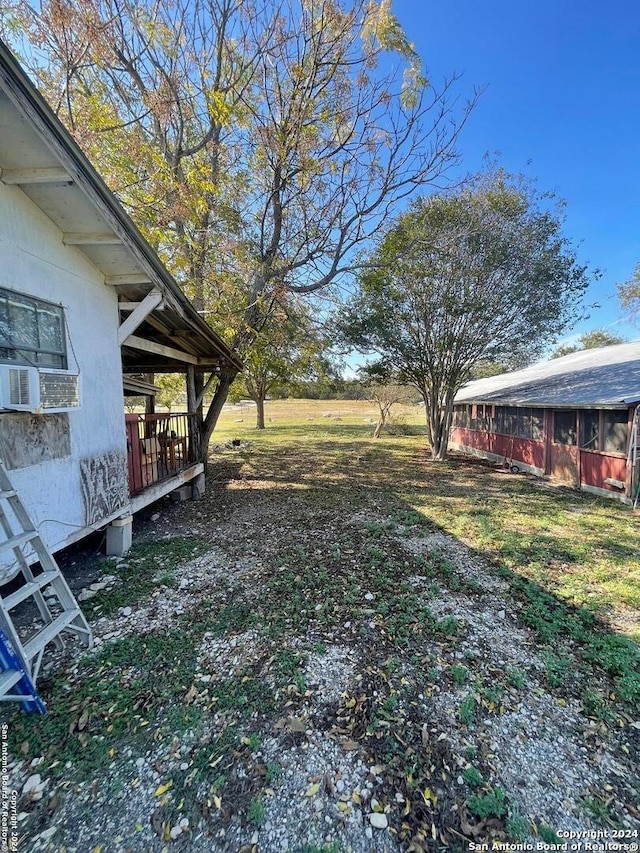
point(70, 469)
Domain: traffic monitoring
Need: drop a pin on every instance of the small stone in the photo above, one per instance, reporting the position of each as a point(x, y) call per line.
point(369, 596)
point(340, 785)
point(368, 832)
point(254, 838)
point(184, 823)
point(502, 614)
point(460, 780)
point(85, 595)
point(126, 611)
point(155, 516)
point(97, 586)
point(184, 765)
point(378, 820)
point(32, 784)
point(48, 833)
point(175, 832)
point(205, 678)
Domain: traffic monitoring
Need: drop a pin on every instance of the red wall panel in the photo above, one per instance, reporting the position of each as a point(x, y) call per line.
point(597, 467)
point(519, 449)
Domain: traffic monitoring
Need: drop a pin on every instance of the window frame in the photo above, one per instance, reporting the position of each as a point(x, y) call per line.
point(26, 355)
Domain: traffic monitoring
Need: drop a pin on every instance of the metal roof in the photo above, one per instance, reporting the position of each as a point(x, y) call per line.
point(38, 155)
point(607, 377)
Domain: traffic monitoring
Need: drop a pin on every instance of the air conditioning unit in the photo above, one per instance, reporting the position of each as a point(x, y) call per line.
point(59, 391)
point(29, 389)
point(19, 388)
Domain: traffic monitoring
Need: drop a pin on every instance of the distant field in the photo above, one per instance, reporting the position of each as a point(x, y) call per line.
point(240, 418)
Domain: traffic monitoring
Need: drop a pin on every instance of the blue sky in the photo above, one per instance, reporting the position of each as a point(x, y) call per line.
point(562, 104)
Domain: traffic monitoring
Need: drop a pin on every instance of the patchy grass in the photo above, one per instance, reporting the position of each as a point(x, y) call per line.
point(147, 566)
point(323, 511)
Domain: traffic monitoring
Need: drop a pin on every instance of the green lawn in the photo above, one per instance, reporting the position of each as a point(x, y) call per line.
point(320, 520)
point(580, 548)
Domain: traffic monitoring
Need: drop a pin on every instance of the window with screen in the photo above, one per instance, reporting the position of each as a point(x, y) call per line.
point(614, 431)
point(564, 427)
point(31, 331)
point(590, 431)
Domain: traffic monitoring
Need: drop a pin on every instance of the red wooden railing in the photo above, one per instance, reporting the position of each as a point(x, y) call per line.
point(157, 448)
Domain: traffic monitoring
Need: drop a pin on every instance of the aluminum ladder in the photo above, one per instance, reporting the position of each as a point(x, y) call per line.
point(632, 456)
point(15, 684)
point(19, 538)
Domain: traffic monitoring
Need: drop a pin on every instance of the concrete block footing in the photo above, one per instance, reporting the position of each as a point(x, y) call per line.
point(119, 536)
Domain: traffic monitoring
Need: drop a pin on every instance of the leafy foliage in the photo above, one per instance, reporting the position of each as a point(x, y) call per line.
point(257, 146)
point(483, 274)
point(589, 340)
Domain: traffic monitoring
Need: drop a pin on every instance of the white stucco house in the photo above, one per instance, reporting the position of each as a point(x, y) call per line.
point(87, 310)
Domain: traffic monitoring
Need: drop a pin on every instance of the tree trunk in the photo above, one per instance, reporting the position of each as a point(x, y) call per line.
point(384, 409)
point(202, 427)
point(259, 412)
point(438, 424)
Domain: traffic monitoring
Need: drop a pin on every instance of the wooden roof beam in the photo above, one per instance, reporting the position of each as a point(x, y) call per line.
point(91, 239)
point(130, 278)
point(152, 300)
point(135, 342)
point(23, 177)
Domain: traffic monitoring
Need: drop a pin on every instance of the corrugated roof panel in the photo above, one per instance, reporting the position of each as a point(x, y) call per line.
point(608, 376)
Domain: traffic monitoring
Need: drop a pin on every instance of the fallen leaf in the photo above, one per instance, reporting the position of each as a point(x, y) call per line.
point(312, 790)
point(349, 745)
point(84, 719)
point(162, 789)
point(190, 695)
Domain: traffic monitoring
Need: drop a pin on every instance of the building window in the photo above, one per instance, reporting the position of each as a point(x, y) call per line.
point(590, 431)
point(31, 331)
point(564, 427)
point(614, 431)
point(604, 431)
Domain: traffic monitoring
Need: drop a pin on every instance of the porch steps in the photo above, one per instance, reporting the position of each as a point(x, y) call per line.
point(21, 658)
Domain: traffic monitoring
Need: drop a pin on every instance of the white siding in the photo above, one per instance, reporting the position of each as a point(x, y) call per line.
point(33, 260)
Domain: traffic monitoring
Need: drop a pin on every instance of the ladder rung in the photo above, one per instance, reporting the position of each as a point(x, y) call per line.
point(19, 539)
point(7, 679)
point(28, 589)
point(48, 633)
point(7, 493)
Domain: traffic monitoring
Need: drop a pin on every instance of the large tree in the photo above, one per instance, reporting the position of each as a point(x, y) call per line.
point(287, 350)
point(258, 145)
point(481, 274)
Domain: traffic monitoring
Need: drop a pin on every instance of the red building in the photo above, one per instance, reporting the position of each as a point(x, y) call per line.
point(574, 419)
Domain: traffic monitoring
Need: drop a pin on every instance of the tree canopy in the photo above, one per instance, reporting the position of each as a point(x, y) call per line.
point(589, 340)
point(483, 274)
point(629, 295)
point(289, 349)
point(258, 145)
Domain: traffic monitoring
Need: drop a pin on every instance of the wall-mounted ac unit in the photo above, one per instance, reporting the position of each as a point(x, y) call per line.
point(59, 391)
point(19, 388)
point(29, 389)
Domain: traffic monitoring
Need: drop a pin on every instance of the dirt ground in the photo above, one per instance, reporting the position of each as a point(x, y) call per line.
point(303, 662)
